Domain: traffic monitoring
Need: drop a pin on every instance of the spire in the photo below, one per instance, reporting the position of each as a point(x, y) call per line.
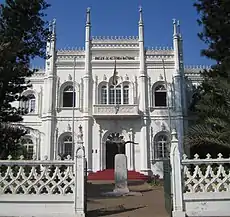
point(88, 16)
point(141, 16)
point(178, 27)
point(54, 28)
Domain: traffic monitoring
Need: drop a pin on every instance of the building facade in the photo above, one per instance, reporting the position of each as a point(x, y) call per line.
point(117, 91)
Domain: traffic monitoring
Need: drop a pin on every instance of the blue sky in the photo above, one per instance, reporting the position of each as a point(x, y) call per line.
point(120, 18)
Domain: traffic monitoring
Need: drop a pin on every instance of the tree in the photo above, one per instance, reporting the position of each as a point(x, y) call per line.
point(213, 101)
point(23, 36)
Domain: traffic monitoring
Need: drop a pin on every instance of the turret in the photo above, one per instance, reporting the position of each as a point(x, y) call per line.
point(142, 72)
point(143, 100)
point(51, 48)
point(179, 83)
point(49, 96)
point(87, 93)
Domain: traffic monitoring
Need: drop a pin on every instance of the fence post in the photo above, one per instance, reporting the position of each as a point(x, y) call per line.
point(177, 191)
point(79, 197)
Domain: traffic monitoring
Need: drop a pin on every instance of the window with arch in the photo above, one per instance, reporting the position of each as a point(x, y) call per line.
point(68, 96)
point(103, 94)
point(116, 94)
point(160, 96)
point(29, 146)
point(162, 146)
point(29, 104)
point(66, 147)
point(126, 94)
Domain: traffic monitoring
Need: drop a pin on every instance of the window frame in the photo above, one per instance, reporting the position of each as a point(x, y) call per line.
point(28, 143)
point(118, 94)
point(162, 148)
point(73, 92)
point(155, 90)
point(30, 103)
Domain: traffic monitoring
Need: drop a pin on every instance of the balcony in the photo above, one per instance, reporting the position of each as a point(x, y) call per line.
point(115, 111)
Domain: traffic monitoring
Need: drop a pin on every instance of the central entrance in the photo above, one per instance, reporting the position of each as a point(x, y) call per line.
point(115, 144)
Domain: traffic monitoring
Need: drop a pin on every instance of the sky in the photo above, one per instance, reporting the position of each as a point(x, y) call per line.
point(120, 18)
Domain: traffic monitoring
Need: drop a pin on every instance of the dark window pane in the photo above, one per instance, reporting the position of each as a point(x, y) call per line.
point(68, 99)
point(160, 99)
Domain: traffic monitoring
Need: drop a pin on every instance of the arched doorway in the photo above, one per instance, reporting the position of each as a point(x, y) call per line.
point(114, 145)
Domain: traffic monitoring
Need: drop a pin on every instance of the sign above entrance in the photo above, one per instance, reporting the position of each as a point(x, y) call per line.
point(114, 58)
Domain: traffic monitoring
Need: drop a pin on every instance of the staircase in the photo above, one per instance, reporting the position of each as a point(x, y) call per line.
point(108, 174)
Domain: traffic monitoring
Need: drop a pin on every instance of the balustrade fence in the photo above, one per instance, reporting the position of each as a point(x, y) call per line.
point(43, 187)
point(200, 187)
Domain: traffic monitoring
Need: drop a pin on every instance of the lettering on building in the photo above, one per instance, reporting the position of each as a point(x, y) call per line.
point(114, 58)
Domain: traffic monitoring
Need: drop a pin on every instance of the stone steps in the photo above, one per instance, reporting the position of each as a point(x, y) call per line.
point(108, 174)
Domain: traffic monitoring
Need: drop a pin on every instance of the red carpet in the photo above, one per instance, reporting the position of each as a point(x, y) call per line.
point(108, 174)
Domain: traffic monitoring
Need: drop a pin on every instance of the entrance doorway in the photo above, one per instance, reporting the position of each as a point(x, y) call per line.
point(114, 145)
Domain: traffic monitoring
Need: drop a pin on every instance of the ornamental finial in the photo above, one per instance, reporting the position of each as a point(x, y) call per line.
point(174, 27)
point(141, 15)
point(88, 16)
point(54, 27)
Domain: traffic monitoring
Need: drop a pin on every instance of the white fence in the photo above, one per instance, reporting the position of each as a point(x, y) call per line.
point(43, 188)
point(200, 187)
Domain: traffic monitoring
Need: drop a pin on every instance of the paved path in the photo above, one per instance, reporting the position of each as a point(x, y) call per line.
point(151, 204)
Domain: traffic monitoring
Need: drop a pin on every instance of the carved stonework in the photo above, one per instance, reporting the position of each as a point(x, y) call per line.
point(163, 127)
point(160, 77)
point(68, 127)
point(104, 78)
point(126, 77)
point(70, 77)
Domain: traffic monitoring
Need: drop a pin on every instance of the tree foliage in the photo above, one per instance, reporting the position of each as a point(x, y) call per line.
point(23, 36)
point(213, 102)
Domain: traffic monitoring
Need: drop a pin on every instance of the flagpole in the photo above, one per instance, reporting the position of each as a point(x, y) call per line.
point(74, 104)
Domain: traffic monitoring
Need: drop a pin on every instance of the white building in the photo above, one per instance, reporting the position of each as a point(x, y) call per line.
point(147, 95)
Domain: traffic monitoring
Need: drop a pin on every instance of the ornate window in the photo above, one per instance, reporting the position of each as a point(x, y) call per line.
point(68, 96)
point(160, 96)
point(116, 94)
point(29, 146)
point(103, 94)
point(126, 94)
point(29, 104)
point(66, 147)
point(162, 146)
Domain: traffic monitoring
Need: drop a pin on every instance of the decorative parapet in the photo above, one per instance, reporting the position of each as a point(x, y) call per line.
point(196, 68)
point(70, 53)
point(115, 42)
point(193, 72)
point(159, 53)
point(206, 175)
point(115, 38)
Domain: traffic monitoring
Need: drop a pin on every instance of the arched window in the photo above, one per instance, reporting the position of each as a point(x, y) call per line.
point(103, 94)
point(29, 104)
point(66, 146)
point(118, 94)
point(160, 96)
point(29, 146)
point(68, 96)
point(162, 146)
point(126, 94)
point(114, 93)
